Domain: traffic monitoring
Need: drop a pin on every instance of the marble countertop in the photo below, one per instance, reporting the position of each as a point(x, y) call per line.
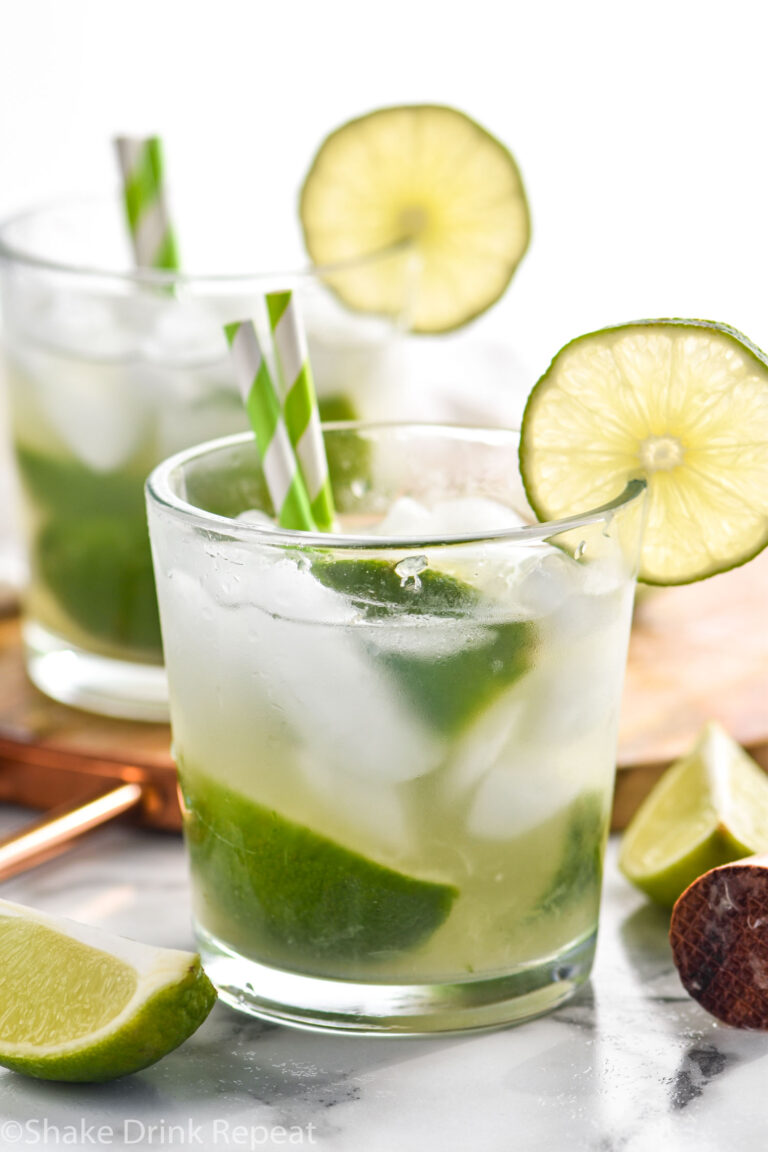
point(630, 1064)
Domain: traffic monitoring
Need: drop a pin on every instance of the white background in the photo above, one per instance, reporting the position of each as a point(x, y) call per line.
point(639, 128)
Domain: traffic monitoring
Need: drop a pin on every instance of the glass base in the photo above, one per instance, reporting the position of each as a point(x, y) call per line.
point(394, 1009)
point(94, 683)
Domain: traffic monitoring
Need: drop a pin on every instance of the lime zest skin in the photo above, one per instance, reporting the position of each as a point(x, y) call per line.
point(690, 536)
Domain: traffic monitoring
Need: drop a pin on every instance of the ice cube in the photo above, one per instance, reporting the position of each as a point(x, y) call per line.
point(184, 331)
point(279, 585)
point(515, 797)
point(576, 687)
point(604, 576)
point(338, 700)
point(545, 582)
point(89, 326)
point(363, 813)
point(294, 634)
point(546, 739)
point(101, 412)
point(433, 639)
point(257, 518)
point(406, 517)
point(512, 798)
point(199, 403)
point(481, 747)
point(491, 568)
point(532, 782)
point(217, 668)
point(409, 517)
point(359, 360)
point(461, 517)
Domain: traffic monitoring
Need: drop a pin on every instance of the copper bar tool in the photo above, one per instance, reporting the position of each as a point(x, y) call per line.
point(79, 793)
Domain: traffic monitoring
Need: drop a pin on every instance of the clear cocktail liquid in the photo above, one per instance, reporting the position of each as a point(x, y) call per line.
point(396, 764)
point(110, 370)
point(87, 430)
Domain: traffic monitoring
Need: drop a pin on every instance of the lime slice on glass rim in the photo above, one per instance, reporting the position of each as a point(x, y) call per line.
point(709, 808)
point(429, 179)
point(80, 1004)
point(681, 403)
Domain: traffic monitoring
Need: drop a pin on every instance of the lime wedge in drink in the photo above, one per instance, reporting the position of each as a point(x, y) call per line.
point(100, 572)
point(682, 403)
point(580, 866)
point(283, 883)
point(81, 1004)
point(451, 690)
point(378, 591)
point(59, 486)
point(432, 180)
point(90, 549)
point(709, 808)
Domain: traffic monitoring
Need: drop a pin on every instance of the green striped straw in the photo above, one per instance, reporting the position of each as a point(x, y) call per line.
point(302, 416)
point(281, 471)
point(141, 163)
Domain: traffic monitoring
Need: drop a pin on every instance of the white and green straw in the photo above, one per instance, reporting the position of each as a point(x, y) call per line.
point(281, 471)
point(302, 417)
point(149, 223)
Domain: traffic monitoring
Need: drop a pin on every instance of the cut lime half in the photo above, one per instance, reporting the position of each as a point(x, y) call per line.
point(682, 403)
point(80, 1004)
point(709, 808)
point(429, 179)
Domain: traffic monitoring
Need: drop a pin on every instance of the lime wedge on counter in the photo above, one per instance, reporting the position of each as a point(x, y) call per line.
point(682, 403)
point(450, 691)
point(709, 808)
point(285, 885)
point(429, 178)
point(80, 1004)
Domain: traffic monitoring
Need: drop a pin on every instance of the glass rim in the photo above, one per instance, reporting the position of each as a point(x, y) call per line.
point(158, 490)
point(164, 277)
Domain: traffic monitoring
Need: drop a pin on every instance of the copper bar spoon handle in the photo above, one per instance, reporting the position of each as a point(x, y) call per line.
point(56, 831)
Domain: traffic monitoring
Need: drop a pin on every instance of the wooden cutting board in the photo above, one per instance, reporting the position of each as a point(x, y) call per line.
point(697, 653)
point(51, 755)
